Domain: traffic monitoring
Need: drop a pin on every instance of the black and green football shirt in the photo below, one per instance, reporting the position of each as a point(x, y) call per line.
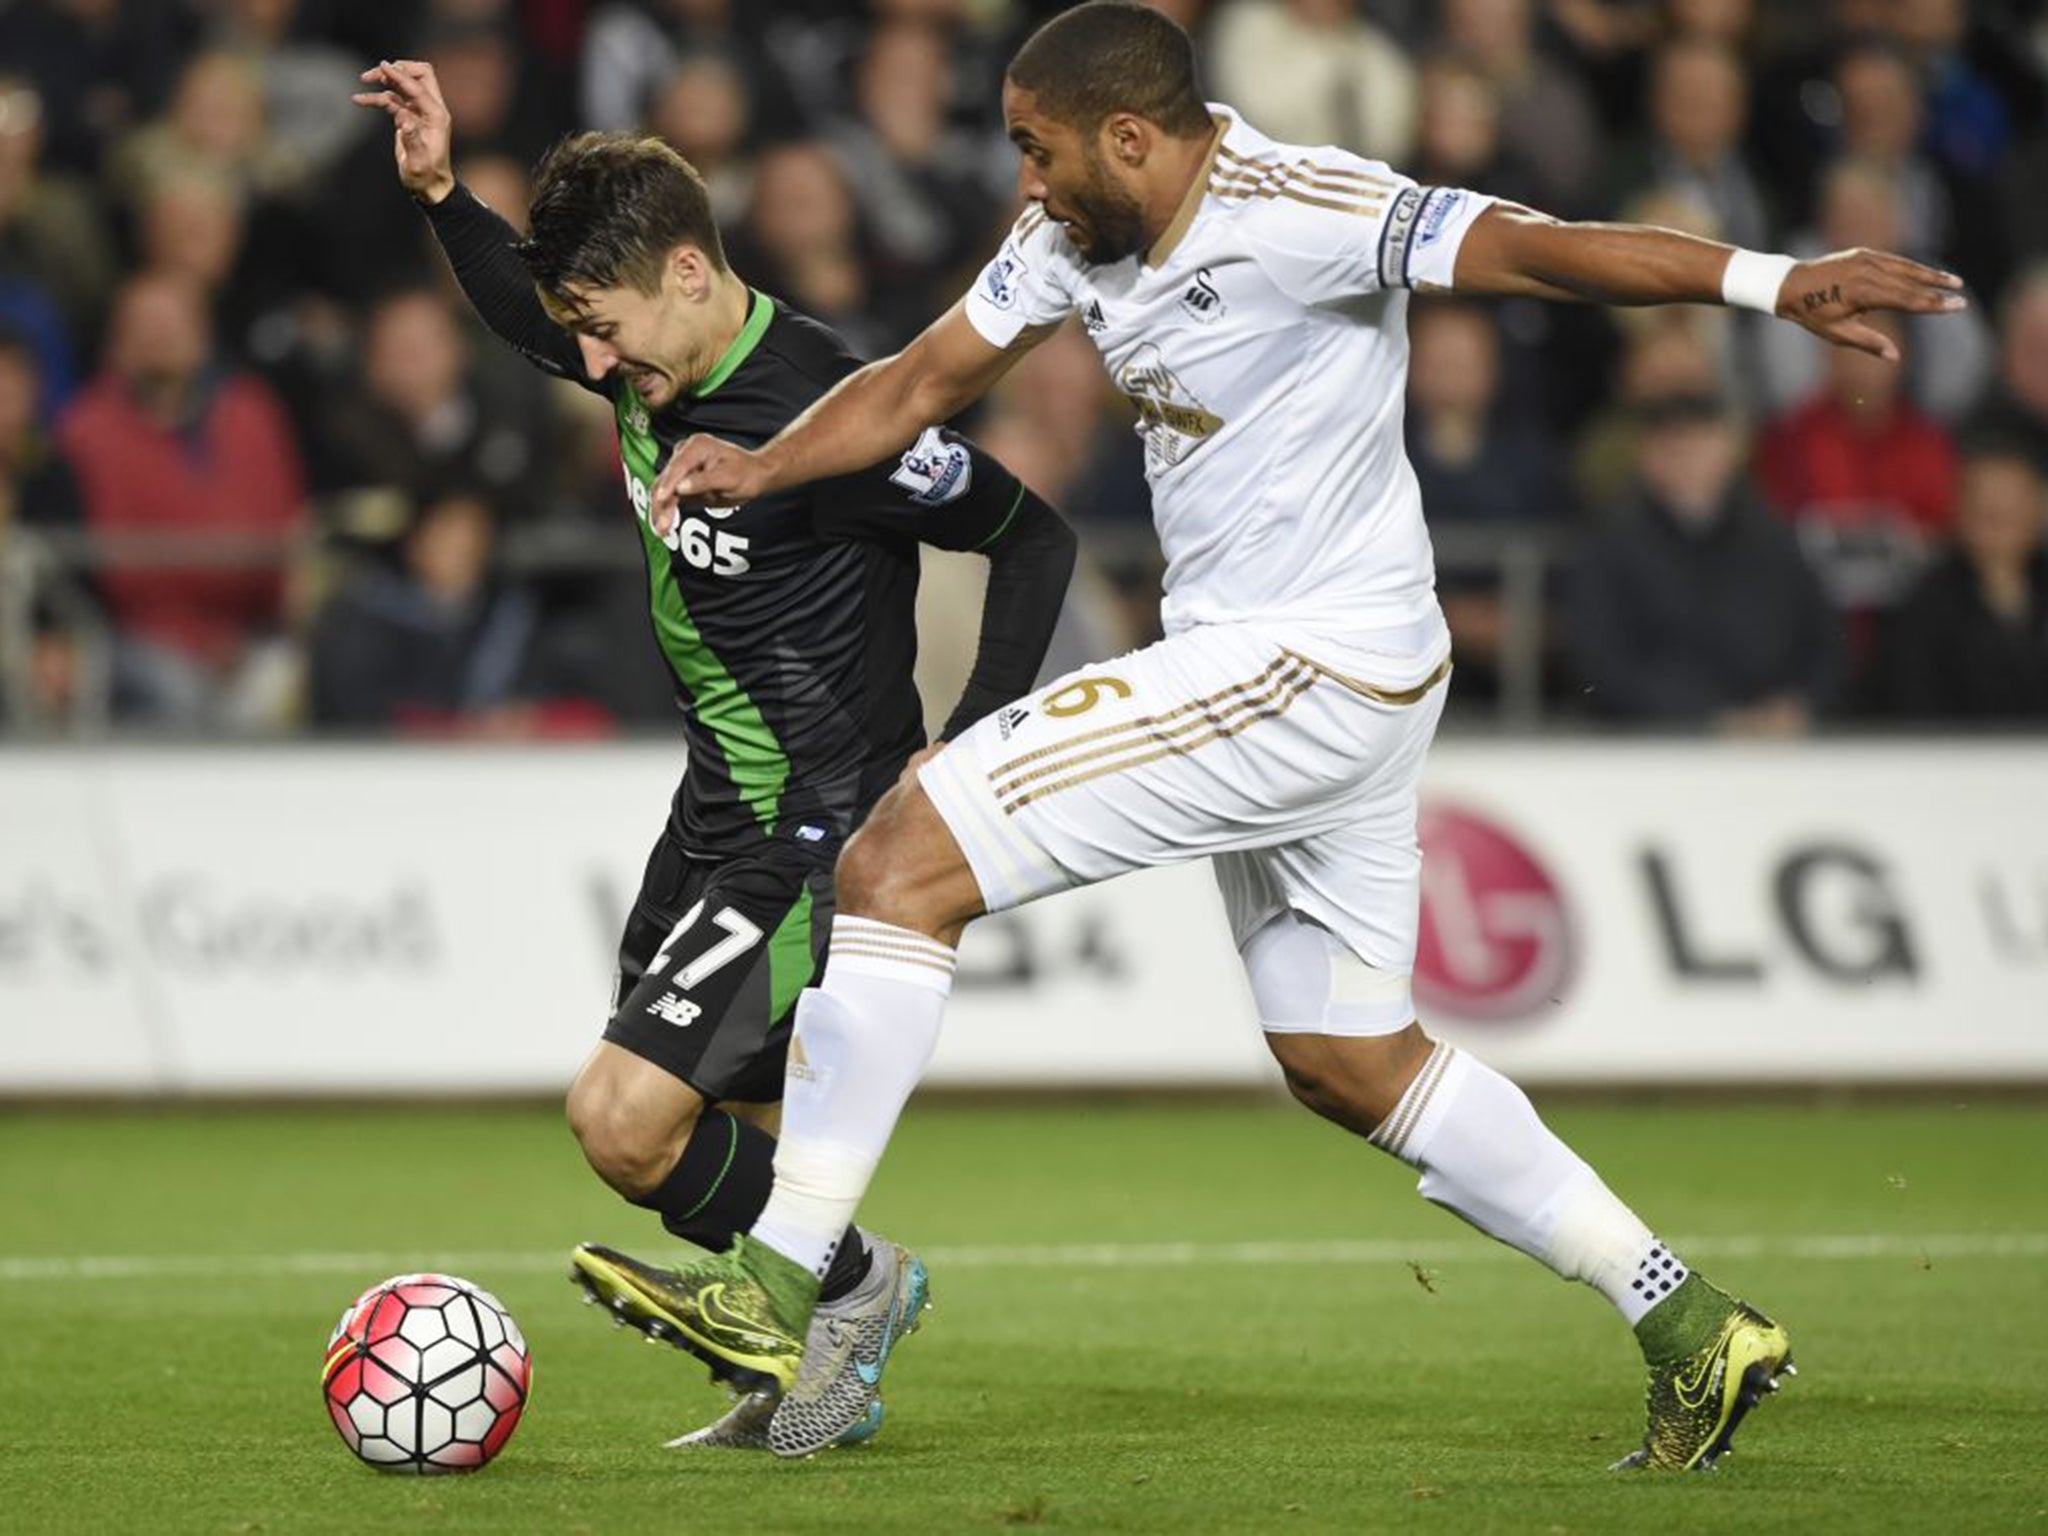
point(788, 623)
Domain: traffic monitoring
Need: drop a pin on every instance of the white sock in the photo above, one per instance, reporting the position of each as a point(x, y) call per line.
point(1486, 1156)
point(862, 1041)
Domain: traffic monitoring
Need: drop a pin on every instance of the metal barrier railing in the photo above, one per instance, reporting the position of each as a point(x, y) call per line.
point(49, 567)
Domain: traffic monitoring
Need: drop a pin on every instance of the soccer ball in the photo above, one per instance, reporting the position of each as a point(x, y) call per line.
point(426, 1373)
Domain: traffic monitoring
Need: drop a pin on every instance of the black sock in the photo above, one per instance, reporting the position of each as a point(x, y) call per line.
point(719, 1185)
point(850, 1265)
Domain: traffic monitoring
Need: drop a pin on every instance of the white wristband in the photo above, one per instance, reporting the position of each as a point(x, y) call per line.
point(1752, 280)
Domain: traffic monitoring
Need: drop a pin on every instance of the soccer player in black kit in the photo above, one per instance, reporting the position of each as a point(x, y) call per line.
point(788, 624)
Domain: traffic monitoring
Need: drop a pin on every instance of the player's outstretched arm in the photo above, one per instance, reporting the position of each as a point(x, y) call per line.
point(862, 419)
point(1512, 251)
point(407, 92)
point(477, 243)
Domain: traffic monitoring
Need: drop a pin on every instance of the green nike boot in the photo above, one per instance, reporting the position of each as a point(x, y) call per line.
point(743, 1313)
point(1712, 1359)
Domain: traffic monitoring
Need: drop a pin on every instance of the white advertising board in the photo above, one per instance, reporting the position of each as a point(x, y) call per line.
point(434, 921)
point(1727, 913)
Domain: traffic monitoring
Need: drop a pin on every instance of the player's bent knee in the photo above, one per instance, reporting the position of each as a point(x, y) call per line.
point(628, 1153)
point(1312, 1086)
point(1354, 1081)
point(1306, 1087)
point(629, 1142)
point(861, 878)
point(903, 866)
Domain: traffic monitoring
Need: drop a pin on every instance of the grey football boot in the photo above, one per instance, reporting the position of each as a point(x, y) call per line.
point(837, 1396)
point(744, 1426)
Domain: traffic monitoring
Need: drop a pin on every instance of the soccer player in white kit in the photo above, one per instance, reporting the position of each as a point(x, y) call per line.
point(1250, 298)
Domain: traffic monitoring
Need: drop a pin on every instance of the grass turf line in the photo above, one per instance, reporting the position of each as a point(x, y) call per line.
point(1292, 1397)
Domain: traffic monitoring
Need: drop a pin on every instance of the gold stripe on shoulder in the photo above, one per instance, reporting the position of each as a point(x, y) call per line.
point(1346, 173)
point(1306, 190)
point(1297, 178)
point(1360, 210)
point(1307, 169)
point(1306, 176)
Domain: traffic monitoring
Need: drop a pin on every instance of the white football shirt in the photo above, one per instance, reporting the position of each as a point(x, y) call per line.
point(1263, 343)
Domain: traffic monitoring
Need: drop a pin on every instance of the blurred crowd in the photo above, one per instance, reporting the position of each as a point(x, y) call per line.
point(261, 472)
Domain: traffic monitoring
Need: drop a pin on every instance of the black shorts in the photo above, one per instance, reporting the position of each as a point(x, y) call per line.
point(714, 955)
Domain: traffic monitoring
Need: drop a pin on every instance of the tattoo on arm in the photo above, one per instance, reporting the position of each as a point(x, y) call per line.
point(1816, 298)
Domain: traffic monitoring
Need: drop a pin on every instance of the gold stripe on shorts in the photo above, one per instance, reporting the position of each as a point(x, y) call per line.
point(1141, 724)
point(1212, 711)
point(1399, 697)
point(1290, 688)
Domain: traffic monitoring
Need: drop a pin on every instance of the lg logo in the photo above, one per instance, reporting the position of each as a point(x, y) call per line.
point(1834, 905)
point(1497, 940)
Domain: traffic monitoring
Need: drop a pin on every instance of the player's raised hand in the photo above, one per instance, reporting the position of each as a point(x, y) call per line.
point(1830, 294)
point(705, 472)
point(410, 95)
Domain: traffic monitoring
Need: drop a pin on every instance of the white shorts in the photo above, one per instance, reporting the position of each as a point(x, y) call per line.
point(1226, 741)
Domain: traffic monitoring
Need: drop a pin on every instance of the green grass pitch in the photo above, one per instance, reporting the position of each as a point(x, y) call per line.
point(1100, 1356)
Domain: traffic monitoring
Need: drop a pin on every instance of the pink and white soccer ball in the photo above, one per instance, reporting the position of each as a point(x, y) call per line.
point(426, 1373)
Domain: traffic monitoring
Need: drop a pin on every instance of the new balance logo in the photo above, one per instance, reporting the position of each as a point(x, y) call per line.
point(1202, 302)
point(1092, 320)
point(674, 1008)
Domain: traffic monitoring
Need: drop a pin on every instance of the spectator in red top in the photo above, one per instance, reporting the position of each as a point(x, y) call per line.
point(164, 442)
point(1868, 480)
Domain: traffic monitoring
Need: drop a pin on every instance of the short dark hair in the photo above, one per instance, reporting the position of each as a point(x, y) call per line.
point(1997, 442)
point(15, 342)
point(1111, 56)
point(608, 208)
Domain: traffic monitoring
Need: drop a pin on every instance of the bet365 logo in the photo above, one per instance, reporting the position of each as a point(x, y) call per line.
point(717, 550)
